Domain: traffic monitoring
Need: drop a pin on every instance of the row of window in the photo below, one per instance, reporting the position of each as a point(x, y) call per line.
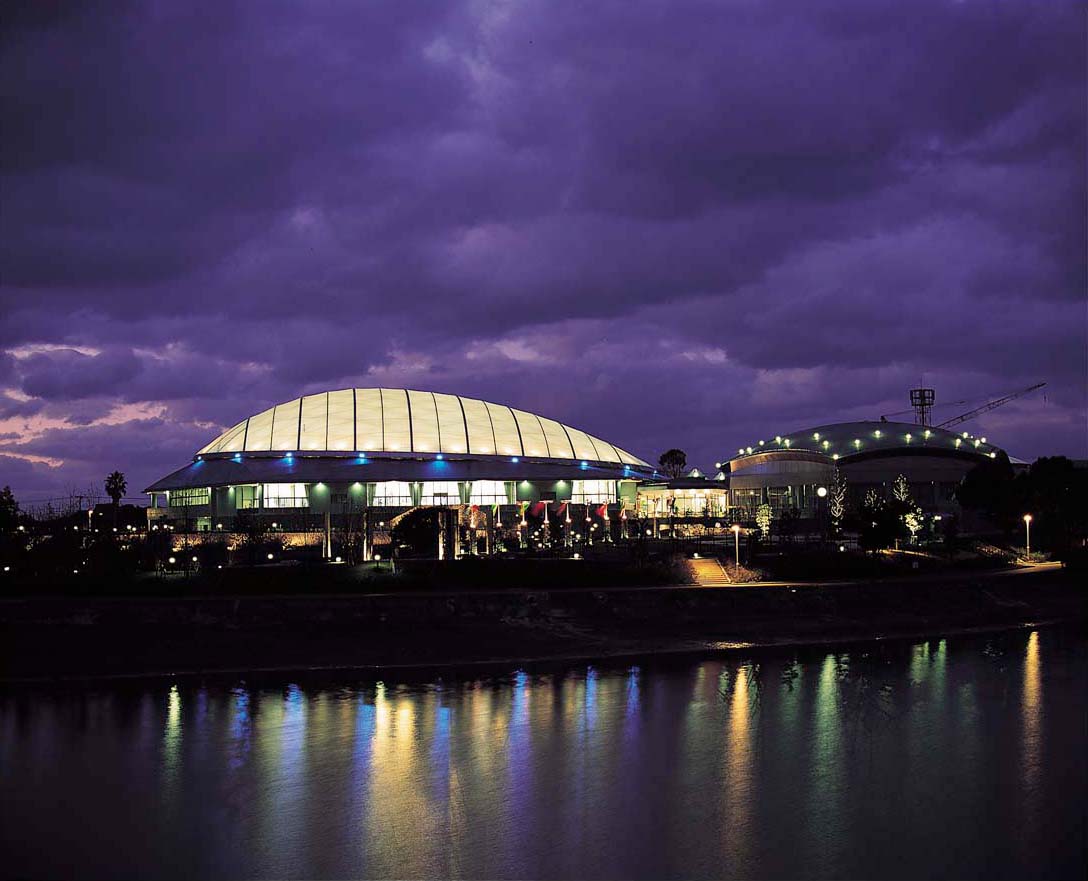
point(181, 498)
point(392, 493)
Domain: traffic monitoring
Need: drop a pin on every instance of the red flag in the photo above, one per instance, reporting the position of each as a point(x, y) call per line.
point(538, 509)
point(602, 511)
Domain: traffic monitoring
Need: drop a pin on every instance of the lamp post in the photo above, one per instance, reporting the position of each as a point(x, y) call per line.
point(736, 541)
point(1027, 534)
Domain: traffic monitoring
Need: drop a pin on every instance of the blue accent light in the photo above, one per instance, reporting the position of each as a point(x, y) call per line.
point(237, 457)
point(585, 465)
point(288, 455)
point(439, 457)
point(515, 459)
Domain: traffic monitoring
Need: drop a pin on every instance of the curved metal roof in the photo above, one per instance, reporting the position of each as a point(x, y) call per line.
point(842, 440)
point(381, 420)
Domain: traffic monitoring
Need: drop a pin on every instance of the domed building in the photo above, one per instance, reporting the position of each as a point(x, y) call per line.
point(323, 456)
point(787, 471)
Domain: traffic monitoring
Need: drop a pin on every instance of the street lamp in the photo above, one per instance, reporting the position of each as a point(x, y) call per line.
point(1027, 534)
point(736, 540)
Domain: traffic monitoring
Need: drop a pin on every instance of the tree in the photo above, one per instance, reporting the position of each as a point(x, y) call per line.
point(116, 486)
point(991, 490)
point(9, 510)
point(764, 516)
point(837, 502)
point(673, 462)
point(905, 514)
point(913, 522)
point(876, 521)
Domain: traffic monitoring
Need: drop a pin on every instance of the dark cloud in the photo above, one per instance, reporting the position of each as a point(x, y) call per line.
point(671, 223)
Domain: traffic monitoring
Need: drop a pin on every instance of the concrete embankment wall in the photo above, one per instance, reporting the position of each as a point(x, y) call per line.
point(66, 635)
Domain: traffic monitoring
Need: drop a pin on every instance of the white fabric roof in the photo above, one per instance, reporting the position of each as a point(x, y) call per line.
point(377, 420)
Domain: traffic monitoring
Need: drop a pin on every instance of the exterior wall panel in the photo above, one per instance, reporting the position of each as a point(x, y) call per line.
point(232, 441)
point(259, 434)
point(533, 442)
point(398, 431)
point(481, 438)
point(605, 451)
point(368, 420)
point(451, 423)
point(341, 432)
point(583, 446)
point(424, 422)
point(313, 430)
point(507, 440)
point(285, 426)
point(558, 443)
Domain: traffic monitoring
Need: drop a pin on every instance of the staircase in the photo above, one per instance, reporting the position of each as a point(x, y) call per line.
point(708, 572)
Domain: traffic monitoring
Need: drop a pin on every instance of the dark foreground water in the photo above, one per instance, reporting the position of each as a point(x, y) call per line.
point(962, 757)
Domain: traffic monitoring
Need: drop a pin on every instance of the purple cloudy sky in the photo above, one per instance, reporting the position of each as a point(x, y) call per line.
point(668, 224)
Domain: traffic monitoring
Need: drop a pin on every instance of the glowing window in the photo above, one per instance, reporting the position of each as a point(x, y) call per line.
point(492, 492)
point(285, 495)
point(183, 498)
point(393, 493)
point(587, 492)
point(246, 497)
point(440, 492)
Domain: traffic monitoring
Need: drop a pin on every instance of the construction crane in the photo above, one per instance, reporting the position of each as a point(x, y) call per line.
point(991, 405)
point(914, 410)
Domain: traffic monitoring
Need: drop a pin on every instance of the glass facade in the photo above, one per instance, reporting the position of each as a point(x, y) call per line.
point(492, 492)
point(247, 497)
point(182, 498)
point(393, 493)
point(593, 492)
point(285, 495)
point(440, 492)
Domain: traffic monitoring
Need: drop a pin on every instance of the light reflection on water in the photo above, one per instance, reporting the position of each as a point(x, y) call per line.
point(945, 758)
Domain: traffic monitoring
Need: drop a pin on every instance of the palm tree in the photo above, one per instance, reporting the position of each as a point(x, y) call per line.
point(116, 485)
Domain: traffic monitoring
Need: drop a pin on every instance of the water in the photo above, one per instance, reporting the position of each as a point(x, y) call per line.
point(950, 758)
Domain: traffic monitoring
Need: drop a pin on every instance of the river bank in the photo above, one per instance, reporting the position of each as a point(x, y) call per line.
point(66, 637)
